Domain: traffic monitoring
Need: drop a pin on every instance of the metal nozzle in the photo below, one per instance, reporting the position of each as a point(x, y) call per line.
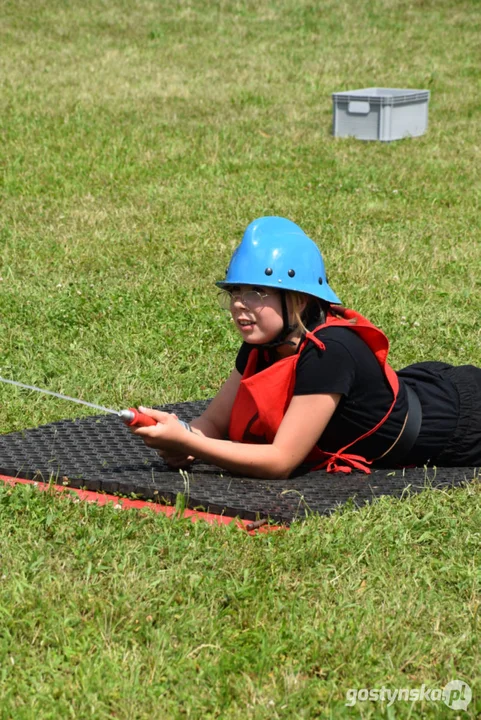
point(126, 416)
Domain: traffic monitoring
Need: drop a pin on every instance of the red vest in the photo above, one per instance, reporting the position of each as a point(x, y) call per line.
point(263, 398)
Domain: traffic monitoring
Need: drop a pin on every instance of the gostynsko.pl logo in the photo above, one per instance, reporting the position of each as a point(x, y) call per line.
point(456, 695)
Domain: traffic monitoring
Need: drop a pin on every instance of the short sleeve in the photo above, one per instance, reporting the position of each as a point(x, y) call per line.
point(332, 370)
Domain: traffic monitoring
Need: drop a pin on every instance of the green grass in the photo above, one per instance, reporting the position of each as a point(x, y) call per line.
point(124, 614)
point(138, 139)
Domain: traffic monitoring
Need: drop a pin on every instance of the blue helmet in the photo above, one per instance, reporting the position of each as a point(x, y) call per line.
point(275, 252)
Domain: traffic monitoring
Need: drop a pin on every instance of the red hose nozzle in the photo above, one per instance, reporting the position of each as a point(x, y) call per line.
point(134, 418)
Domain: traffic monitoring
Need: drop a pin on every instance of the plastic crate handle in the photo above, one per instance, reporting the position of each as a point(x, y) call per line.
point(358, 107)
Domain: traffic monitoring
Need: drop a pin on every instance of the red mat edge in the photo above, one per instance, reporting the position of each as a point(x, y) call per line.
point(125, 503)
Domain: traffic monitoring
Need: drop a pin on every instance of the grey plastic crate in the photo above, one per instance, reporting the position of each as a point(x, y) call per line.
point(380, 113)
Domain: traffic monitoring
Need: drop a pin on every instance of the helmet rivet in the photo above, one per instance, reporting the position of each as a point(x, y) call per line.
point(320, 281)
point(291, 273)
point(268, 271)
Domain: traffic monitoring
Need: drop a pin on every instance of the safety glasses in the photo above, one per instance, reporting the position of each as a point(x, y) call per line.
point(251, 299)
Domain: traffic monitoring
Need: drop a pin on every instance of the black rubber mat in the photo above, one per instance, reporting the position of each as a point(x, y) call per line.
point(99, 453)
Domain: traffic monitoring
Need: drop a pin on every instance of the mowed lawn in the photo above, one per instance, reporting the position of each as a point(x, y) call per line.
point(138, 139)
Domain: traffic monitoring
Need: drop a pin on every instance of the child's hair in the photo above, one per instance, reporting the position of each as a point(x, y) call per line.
point(316, 310)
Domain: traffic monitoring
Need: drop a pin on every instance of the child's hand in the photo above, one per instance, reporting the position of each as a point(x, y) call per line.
point(168, 435)
point(176, 461)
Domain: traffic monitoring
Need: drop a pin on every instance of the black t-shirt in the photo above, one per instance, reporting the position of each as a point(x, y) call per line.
point(347, 366)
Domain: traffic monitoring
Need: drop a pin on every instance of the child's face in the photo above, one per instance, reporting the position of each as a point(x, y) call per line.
point(257, 312)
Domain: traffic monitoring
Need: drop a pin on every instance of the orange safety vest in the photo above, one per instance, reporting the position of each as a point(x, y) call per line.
point(263, 398)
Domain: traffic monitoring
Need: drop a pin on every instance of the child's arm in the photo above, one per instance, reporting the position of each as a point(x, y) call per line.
point(214, 421)
point(304, 422)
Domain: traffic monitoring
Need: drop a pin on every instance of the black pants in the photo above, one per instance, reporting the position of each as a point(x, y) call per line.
point(464, 448)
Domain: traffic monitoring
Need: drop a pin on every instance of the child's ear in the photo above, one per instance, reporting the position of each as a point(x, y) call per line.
point(303, 305)
point(303, 302)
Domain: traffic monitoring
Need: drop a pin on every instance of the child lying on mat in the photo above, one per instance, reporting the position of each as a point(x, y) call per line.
point(312, 385)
